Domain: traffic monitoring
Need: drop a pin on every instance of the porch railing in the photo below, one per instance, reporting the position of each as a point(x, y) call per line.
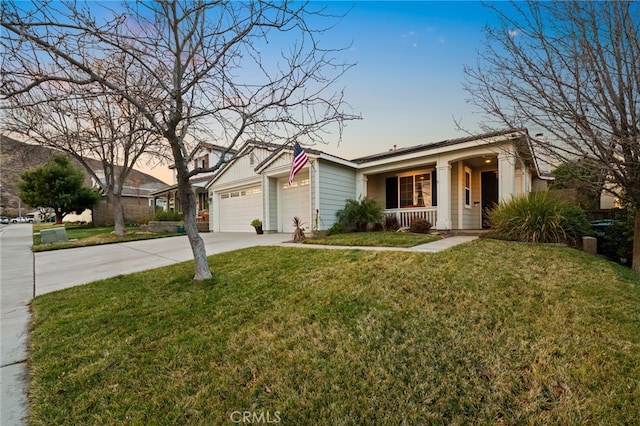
point(407, 215)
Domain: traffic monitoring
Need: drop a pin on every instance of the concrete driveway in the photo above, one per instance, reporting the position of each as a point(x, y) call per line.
point(60, 269)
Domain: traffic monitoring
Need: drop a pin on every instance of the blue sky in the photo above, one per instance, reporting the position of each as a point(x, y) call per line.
point(408, 82)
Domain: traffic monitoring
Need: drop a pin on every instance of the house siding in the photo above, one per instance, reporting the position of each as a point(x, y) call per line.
point(271, 206)
point(242, 168)
point(337, 184)
point(472, 216)
point(376, 187)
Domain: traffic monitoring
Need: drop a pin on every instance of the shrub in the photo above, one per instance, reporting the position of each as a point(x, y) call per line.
point(336, 228)
point(617, 241)
point(538, 218)
point(420, 226)
point(168, 216)
point(361, 214)
point(575, 224)
point(391, 223)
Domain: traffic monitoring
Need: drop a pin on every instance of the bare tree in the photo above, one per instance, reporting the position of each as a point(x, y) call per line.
point(88, 123)
point(572, 71)
point(235, 70)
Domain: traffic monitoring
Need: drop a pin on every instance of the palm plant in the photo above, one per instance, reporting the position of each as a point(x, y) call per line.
point(298, 233)
point(361, 214)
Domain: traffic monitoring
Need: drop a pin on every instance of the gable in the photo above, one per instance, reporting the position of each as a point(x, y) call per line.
point(242, 167)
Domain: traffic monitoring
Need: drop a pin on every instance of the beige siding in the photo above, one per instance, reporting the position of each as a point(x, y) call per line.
point(473, 216)
point(376, 187)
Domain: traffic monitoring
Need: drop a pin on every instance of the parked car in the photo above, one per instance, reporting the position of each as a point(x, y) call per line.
point(4, 219)
point(21, 219)
point(50, 219)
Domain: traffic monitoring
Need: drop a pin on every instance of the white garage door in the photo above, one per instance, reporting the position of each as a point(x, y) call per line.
point(238, 208)
point(294, 202)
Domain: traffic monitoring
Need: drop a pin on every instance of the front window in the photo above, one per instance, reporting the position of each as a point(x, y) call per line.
point(415, 190)
point(467, 187)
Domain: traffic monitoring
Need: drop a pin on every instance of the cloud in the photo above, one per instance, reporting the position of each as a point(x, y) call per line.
point(514, 33)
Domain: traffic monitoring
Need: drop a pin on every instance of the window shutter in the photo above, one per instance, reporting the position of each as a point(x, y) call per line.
point(392, 192)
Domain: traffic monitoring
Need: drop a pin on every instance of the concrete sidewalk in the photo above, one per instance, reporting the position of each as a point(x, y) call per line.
point(16, 291)
point(25, 276)
point(432, 247)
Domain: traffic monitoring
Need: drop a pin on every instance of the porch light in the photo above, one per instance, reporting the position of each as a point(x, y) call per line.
point(487, 161)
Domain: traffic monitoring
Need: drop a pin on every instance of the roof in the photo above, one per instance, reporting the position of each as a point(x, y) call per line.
point(287, 147)
point(433, 145)
point(209, 146)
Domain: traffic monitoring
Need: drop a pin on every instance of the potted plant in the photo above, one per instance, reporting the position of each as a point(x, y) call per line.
point(257, 224)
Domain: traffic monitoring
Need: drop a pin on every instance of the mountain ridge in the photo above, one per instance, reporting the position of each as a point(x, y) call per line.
point(17, 156)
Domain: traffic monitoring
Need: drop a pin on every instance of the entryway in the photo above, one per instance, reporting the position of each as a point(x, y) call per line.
point(489, 182)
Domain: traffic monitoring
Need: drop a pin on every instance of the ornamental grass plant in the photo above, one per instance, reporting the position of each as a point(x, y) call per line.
point(539, 217)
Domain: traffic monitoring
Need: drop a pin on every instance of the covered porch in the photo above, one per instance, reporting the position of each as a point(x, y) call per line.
point(453, 191)
point(169, 199)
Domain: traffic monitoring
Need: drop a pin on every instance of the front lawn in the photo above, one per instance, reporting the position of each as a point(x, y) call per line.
point(88, 235)
point(374, 239)
point(489, 332)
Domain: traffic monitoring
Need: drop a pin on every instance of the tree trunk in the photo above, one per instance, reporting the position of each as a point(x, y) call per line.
point(636, 242)
point(188, 204)
point(58, 216)
point(118, 215)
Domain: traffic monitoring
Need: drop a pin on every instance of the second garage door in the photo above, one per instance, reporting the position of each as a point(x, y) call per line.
point(294, 202)
point(238, 208)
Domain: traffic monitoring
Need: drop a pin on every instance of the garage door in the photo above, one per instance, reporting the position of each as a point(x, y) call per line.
point(238, 208)
point(294, 202)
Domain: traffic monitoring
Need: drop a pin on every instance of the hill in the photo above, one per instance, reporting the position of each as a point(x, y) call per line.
point(17, 156)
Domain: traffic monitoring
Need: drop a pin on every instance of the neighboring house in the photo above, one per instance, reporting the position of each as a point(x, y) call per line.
point(204, 155)
point(137, 200)
point(451, 183)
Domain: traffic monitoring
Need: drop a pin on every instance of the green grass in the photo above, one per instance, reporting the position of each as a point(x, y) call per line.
point(484, 333)
point(374, 239)
point(88, 235)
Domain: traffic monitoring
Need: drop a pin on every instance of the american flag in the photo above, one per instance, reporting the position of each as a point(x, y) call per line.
point(299, 161)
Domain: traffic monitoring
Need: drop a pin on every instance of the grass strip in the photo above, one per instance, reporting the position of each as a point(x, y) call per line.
point(374, 239)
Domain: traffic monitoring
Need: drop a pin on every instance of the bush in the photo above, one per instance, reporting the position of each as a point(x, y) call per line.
point(361, 214)
point(391, 223)
point(576, 225)
point(538, 218)
point(168, 216)
point(336, 228)
point(420, 226)
point(617, 241)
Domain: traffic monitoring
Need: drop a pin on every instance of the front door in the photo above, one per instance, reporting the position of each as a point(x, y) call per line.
point(489, 194)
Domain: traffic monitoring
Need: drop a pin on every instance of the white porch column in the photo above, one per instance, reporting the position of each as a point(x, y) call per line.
point(506, 176)
point(361, 185)
point(443, 173)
